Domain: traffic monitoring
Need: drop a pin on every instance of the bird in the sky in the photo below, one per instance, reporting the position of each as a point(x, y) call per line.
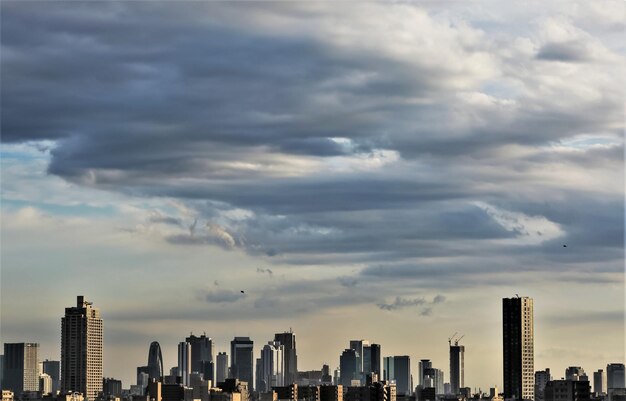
point(242, 291)
point(564, 246)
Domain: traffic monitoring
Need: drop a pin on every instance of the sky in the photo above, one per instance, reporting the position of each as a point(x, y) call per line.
point(381, 171)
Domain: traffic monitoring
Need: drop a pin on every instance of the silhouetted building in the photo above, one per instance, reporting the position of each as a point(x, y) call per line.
point(402, 374)
point(111, 387)
point(20, 368)
point(242, 360)
point(290, 364)
point(457, 368)
point(221, 372)
point(379, 391)
point(423, 364)
point(143, 377)
point(542, 377)
point(567, 390)
point(53, 369)
point(289, 392)
point(309, 393)
point(518, 348)
point(326, 376)
point(427, 394)
point(348, 367)
point(331, 393)
point(599, 382)
point(81, 350)
point(202, 350)
point(575, 373)
point(155, 361)
point(358, 346)
point(433, 377)
point(615, 375)
point(184, 362)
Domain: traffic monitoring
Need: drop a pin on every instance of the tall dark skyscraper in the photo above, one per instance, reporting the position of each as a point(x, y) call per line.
point(20, 368)
point(202, 355)
point(155, 361)
point(402, 374)
point(518, 348)
point(221, 373)
point(288, 340)
point(348, 367)
point(374, 350)
point(81, 350)
point(457, 367)
point(615, 376)
point(242, 360)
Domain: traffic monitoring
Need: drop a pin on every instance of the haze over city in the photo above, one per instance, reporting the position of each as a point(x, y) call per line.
point(380, 171)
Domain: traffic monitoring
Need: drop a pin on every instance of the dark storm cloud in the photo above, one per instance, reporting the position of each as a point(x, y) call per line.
point(371, 150)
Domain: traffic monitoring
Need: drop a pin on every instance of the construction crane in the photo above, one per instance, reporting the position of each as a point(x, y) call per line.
point(451, 338)
point(456, 342)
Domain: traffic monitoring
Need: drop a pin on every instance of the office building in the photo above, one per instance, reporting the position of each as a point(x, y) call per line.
point(542, 377)
point(567, 390)
point(375, 359)
point(434, 378)
point(111, 388)
point(331, 393)
point(184, 362)
point(271, 366)
point(81, 350)
point(202, 351)
point(518, 348)
point(379, 391)
point(21, 371)
point(348, 367)
point(288, 340)
point(155, 361)
point(599, 382)
point(221, 372)
point(53, 369)
point(457, 367)
point(242, 360)
point(358, 346)
point(423, 364)
point(615, 375)
point(402, 374)
point(45, 385)
point(576, 373)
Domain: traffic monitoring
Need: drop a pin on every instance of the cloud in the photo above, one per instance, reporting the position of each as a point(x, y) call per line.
point(400, 303)
point(223, 296)
point(439, 299)
point(268, 271)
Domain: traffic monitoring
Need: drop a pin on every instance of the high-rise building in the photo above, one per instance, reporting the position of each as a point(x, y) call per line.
point(567, 390)
point(53, 369)
point(576, 373)
point(184, 362)
point(21, 371)
point(81, 349)
point(599, 382)
point(202, 350)
point(45, 384)
point(242, 360)
point(111, 388)
point(518, 348)
point(433, 377)
point(1, 370)
point(375, 359)
point(402, 374)
point(388, 372)
point(221, 372)
point(423, 364)
point(358, 346)
point(272, 366)
point(457, 367)
point(288, 340)
point(615, 375)
point(348, 367)
point(542, 377)
point(155, 361)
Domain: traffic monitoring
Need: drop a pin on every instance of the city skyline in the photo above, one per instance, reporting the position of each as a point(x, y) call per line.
point(378, 171)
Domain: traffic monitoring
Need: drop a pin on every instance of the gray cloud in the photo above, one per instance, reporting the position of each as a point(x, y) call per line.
point(573, 51)
point(400, 303)
point(223, 296)
point(268, 271)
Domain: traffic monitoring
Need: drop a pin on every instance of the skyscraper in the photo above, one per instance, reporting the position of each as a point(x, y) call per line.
point(576, 373)
point(402, 374)
point(81, 349)
point(375, 359)
point(518, 348)
point(53, 369)
point(599, 382)
point(615, 375)
point(242, 360)
point(348, 365)
point(20, 368)
point(388, 371)
point(288, 340)
point(202, 350)
point(542, 377)
point(423, 365)
point(222, 367)
point(184, 362)
point(358, 346)
point(155, 362)
point(272, 366)
point(457, 367)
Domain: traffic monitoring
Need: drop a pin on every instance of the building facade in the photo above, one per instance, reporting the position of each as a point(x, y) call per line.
point(202, 351)
point(155, 362)
point(221, 371)
point(81, 349)
point(348, 367)
point(615, 376)
point(457, 368)
point(271, 366)
point(53, 369)
point(518, 348)
point(599, 382)
point(542, 377)
point(242, 360)
point(21, 372)
point(184, 362)
point(288, 340)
